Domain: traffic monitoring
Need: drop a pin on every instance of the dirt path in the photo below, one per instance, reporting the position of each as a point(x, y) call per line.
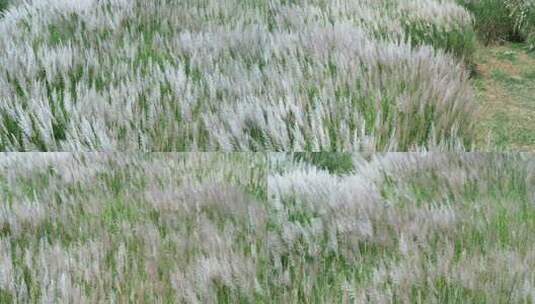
point(506, 92)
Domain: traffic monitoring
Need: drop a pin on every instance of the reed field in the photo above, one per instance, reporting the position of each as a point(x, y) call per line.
point(254, 75)
point(267, 151)
point(130, 228)
point(404, 227)
point(267, 228)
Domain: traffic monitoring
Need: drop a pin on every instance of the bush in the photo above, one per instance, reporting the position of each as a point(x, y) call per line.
point(504, 20)
point(523, 14)
point(3, 6)
point(492, 19)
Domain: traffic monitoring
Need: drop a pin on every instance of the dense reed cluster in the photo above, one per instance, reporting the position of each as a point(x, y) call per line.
point(407, 228)
point(339, 219)
point(237, 228)
point(179, 75)
point(94, 228)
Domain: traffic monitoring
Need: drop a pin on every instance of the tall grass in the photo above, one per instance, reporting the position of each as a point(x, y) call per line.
point(334, 162)
point(523, 12)
point(235, 228)
point(232, 75)
point(405, 228)
point(91, 228)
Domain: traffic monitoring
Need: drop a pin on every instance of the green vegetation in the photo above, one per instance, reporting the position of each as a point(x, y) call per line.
point(459, 39)
point(233, 228)
point(504, 20)
point(334, 162)
point(504, 73)
point(493, 20)
point(236, 76)
point(408, 228)
point(3, 5)
point(129, 227)
point(505, 82)
point(315, 75)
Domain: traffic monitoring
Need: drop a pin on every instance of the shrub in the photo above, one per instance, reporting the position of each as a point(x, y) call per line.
point(492, 19)
point(523, 14)
point(501, 20)
point(3, 6)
